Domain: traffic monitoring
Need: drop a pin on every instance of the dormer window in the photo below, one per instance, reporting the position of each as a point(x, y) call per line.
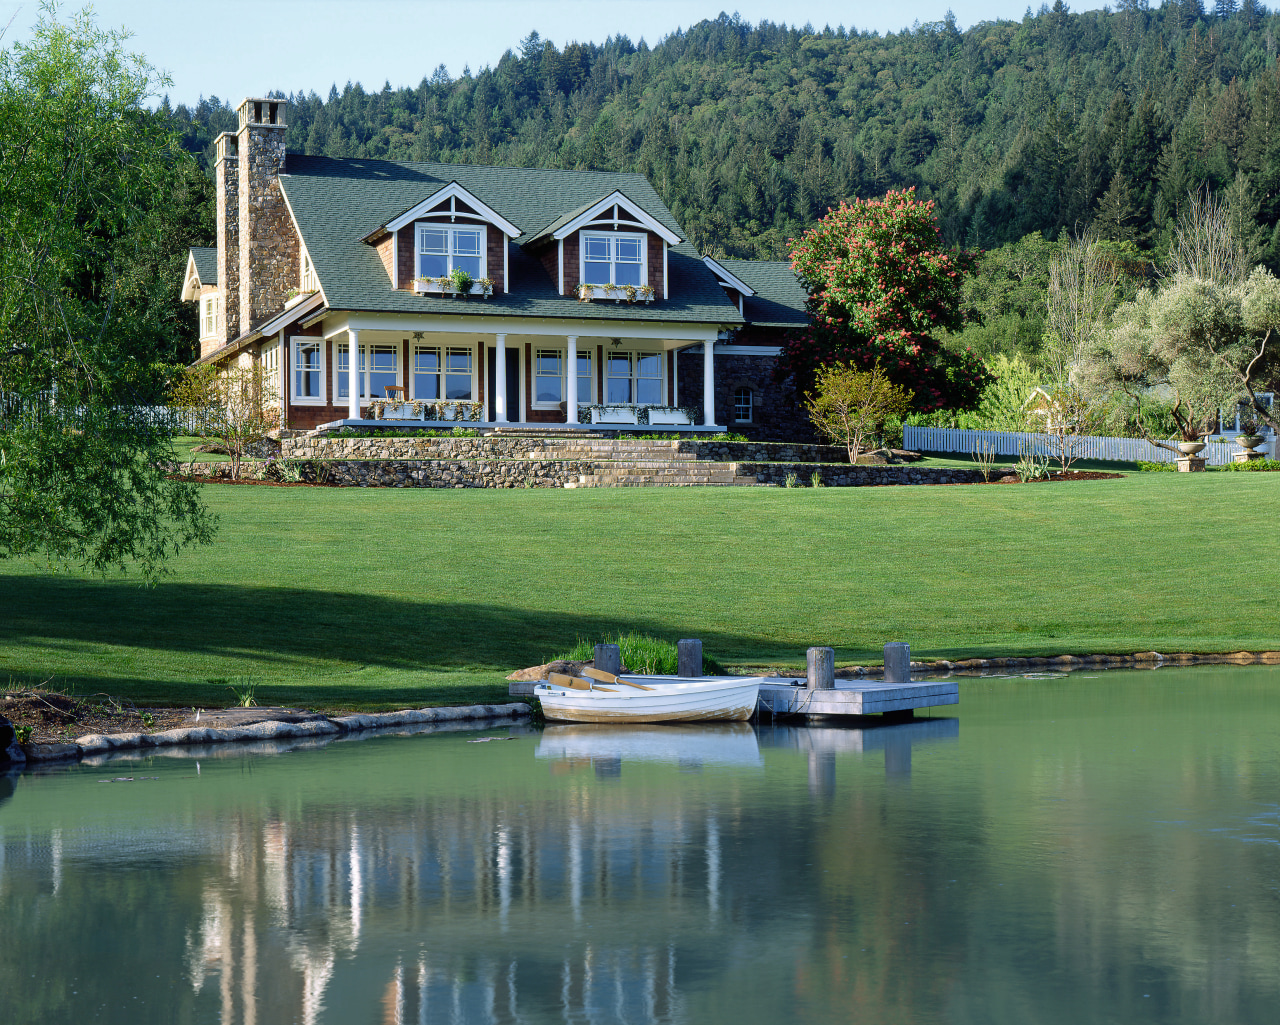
point(615, 258)
point(442, 250)
point(209, 318)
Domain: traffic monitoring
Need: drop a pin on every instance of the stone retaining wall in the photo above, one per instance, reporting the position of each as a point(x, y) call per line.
point(497, 447)
point(846, 476)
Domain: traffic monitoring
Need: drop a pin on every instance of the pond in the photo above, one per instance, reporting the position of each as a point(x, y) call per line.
point(1093, 848)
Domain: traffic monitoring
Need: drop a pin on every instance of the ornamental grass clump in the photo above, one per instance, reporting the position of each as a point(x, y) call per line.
point(642, 654)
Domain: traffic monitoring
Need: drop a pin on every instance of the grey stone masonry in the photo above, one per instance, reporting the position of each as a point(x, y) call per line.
point(523, 462)
point(227, 174)
point(318, 446)
point(268, 242)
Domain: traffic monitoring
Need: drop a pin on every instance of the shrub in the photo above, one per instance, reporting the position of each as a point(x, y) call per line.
point(1254, 466)
point(1146, 467)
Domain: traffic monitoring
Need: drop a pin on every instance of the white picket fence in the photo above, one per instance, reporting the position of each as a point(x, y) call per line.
point(1008, 443)
point(180, 421)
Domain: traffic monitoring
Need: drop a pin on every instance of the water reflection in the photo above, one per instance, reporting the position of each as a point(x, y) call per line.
point(821, 745)
point(1066, 853)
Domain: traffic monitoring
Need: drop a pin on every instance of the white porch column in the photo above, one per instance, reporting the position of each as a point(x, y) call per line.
point(708, 381)
point(500, 380)
point(571, 382)
point(353, 374)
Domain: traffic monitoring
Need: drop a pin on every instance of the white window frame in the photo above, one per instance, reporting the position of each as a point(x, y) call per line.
point(751, 401)
point(209, 314)
point(562, 356)
point(443, 352)
point(308, 276)
point(612, 237)
point(588, 353)
point(633, 356)
point(269, 367)
point(340, 376)
point(296, 397)
point(451, 230)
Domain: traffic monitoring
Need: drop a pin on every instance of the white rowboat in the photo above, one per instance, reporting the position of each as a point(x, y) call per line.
point(666, 699)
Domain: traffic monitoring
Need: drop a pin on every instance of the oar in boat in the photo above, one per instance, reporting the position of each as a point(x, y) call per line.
point(574, 682)
point(603, 677)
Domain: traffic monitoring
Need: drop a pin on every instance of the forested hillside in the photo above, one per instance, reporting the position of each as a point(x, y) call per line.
point(750, 132)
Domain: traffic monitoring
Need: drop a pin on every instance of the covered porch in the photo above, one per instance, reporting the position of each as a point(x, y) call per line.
point(434, 373)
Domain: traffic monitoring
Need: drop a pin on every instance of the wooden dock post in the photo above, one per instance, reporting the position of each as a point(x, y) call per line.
point(822, 668)
point(689, 657)
point(897, 662)
point(608, 658)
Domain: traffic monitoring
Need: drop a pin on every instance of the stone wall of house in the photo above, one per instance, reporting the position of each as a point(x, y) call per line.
point(776, 414)
point(269, 251)
point(227, 177)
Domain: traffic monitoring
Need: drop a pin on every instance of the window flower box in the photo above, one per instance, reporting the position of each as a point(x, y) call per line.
point(395, 409)
point(618, 293)
point(614, 415)
point(482, 287)
point(420, 409)
point(638, 414)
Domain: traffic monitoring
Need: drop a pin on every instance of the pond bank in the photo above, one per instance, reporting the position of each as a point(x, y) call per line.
point(287, 725)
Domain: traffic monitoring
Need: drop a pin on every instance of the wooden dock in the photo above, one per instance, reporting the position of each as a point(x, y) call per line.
point(787, 697)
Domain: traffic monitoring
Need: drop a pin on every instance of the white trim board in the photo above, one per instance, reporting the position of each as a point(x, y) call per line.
point(728, 277)
point(589, 215)
point(453, 191)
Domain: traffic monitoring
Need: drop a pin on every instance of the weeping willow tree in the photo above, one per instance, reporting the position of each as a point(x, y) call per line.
point(80, 157)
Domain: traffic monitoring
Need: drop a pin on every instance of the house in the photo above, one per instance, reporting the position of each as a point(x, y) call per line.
point(490, 294)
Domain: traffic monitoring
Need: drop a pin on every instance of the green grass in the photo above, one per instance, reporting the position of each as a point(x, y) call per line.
point(185, 447)
point(389, 597)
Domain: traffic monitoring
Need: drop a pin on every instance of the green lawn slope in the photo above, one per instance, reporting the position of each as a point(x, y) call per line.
point(378, 598)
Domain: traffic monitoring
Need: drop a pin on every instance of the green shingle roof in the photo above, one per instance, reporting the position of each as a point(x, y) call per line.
point(779, 299)
point(206, 261)
point(339, 202)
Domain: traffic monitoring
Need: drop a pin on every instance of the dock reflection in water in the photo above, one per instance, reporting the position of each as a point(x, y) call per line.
point(673, 874)
point(821, 744)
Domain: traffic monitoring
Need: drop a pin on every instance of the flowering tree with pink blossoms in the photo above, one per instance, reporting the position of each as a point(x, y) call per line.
point(881, 284)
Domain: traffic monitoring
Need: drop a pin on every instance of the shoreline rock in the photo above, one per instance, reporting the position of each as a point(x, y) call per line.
point(290, 725)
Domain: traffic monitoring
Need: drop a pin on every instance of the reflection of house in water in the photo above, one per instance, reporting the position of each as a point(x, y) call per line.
point(503, 895)
point(822, 744)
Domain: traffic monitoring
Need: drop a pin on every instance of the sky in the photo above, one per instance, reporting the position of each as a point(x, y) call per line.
point(237, 48)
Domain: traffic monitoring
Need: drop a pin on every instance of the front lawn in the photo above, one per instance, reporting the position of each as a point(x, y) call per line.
point(389, 597)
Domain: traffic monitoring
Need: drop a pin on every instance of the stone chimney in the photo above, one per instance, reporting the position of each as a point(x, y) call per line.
point(268, 242)
point(227, 173)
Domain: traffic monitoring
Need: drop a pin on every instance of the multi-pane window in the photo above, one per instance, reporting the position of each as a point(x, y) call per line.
point(441, 373)
point(270, 366)
point(549, 385)
point(612, 259)
point(633, 377)
point(209, 323)
point(308, 273)
point(548, 377)
point(379, 367)
point(442, 250)
point(742, 405)
point(308, 369)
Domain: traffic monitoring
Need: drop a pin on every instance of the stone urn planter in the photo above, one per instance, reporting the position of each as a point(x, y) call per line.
point(1190, 448)
point(1249, 442)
